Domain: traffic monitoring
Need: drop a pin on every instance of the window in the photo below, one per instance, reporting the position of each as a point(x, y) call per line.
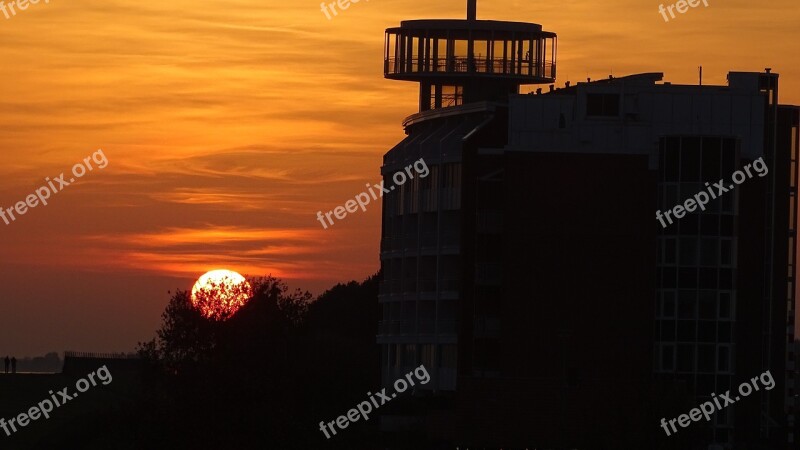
point(427, 357)
point(602, 105)
point(707, 332)
point(686, 330)
point(708, 252)
point(688, 251)
point(428, 91)
point(726, 252)
point(687, 301)
point(687, 277)
point(685, 358)
point(449, 356)
point(690, 160)
point(726, 279)
point(671, 195)
point(669, 251)
point(668, 304)
point(724, 332)
point(670, 156)
point(452, 96)
point(411, 194)
point(667, 329)
point(708, 305)
point(722, 417)
point(429, 189)
point(709, 225)
point(729, 202)
point(410, 357)
point(725, 305)
point(385, 312)
point(398, 355)
point(667, 357)
point(668, 275)
point(705, 359)
point(709, 278)
point(689, 224)
point(723, 358)
point(712, 160)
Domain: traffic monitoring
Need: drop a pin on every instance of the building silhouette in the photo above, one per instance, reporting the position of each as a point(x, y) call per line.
point(527, 271)
point(74, 423)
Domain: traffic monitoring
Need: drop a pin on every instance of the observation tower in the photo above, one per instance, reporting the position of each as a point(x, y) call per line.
point(464, 61)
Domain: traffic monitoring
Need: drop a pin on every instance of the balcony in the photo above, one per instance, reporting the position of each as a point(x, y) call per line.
point(475, 66)
point(516, 52)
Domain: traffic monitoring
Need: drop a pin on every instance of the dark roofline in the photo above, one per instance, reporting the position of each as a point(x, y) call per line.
point(461, 24)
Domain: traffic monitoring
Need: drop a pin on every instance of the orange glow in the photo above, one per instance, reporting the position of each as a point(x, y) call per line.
point(230, 124)
point(236, 124)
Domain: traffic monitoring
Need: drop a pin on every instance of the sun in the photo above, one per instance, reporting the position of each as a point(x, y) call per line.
point(218, 294)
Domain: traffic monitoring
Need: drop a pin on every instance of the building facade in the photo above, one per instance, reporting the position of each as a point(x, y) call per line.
point(529, 273)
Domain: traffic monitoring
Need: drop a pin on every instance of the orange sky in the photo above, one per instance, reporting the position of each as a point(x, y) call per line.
point(229, 124)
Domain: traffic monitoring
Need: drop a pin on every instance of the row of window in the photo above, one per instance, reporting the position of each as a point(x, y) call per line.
point(410, 274)
point(426, 230)
point(694, 278)
point(602, 105)
point(703, 385)
point(523, 53)
point(697, 251)
point(696, 304)
point(412, 355)
point(697, 159)
point(700, 224)
point(693, 331)
point(441, 187)
point(422, 310)
point(672, 194)
point(694, 358)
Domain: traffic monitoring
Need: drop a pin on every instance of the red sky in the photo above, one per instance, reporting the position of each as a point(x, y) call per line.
point(228, 125)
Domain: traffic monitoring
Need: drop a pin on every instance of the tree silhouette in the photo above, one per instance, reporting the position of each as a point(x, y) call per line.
point(267, 374)
point(221, 298)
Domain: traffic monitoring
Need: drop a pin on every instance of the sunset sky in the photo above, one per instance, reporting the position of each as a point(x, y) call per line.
point(228, 124)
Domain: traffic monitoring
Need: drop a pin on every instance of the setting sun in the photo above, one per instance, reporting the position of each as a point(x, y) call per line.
point(218, 294)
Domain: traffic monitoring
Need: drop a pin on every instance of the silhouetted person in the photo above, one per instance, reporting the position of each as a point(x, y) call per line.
point(13, 365)
point(7, 362)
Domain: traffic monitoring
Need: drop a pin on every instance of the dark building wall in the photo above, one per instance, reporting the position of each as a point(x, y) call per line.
point(752, 310)
point(765, 320)
point(575, 333)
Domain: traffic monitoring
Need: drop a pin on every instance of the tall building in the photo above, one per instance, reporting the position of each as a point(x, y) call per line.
point(466, 70)
point(530, 274)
